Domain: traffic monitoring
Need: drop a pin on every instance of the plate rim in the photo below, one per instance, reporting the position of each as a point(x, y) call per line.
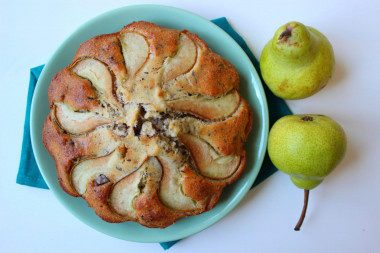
point(264, 110)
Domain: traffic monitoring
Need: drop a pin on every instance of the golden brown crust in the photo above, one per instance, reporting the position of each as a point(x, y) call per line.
point(204, 191)
point(97, 198)
point(151, 212)
point(68, 88)
point(220, 77)
point(62, 151)
point(162, 42)
point(220, 136)
point(123, 136)
point(105, 48)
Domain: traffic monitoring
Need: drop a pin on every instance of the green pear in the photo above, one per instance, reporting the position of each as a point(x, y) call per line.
point(307, 148)
point(297, 62)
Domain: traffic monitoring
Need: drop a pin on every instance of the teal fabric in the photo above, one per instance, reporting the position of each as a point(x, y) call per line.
point(29, 174)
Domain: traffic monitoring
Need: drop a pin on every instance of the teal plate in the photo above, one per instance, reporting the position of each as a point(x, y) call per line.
point(221, 43)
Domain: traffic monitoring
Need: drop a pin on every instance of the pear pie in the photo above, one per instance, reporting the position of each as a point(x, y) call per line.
point(147, 125)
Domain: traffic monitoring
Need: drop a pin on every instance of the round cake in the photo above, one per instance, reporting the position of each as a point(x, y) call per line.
point(147, 125)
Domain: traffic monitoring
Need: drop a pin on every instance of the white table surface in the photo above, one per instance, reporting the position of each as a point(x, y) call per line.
point(343, 213)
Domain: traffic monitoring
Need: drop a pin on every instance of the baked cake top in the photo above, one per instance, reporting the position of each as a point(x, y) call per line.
point(147, 125)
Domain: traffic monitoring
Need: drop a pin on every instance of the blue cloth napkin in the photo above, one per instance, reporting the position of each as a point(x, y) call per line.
point(29, 174)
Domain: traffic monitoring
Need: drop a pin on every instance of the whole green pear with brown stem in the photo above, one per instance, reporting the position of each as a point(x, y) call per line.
point(297, 62)
point(307, 148)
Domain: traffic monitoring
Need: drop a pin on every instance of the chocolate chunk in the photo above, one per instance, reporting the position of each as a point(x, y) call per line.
point(100, 180)
point(142, 111)
point(137, 128)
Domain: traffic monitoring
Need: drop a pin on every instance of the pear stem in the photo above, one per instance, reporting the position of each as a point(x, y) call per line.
point(302, 217)
point(285, 34)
